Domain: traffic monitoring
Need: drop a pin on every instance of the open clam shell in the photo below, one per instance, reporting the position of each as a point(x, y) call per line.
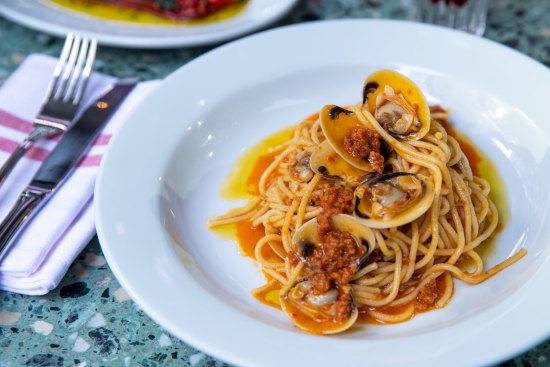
point(316, 313)
point(307, 235)
point(397, 104)
point(393, 199)
point(329, 164)
point(337, 124)
point(311, 318)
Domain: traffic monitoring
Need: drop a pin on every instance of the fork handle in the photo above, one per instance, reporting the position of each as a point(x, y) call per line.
point(27, 204)
point(22, 148)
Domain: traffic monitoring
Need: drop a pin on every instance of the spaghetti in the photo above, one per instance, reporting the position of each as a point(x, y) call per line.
point(370, 209)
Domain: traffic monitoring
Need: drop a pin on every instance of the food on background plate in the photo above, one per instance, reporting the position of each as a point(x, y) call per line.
point(174, 9)
point(368, 211)
point(168, 12)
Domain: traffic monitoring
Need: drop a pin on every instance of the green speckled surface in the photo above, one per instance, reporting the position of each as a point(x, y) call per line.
point(89, 320)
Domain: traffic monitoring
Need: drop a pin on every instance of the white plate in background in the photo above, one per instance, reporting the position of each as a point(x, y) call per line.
point(161, 178)
point(51, 18)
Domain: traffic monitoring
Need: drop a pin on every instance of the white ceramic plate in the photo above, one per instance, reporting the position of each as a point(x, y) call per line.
point(160, 182)
point(48, 17)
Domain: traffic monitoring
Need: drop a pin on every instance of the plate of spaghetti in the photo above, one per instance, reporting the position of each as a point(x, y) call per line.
point(377, 203)
point(148, 23)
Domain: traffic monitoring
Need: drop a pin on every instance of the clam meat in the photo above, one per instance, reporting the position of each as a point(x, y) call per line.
point(397, 104)
point(393, 199)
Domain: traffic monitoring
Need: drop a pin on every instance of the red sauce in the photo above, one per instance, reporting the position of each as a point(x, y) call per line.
point(269, 295)
point(248, 236)
point(471, 152)
point(253, 181)
point(334, 200)
point(365, 144)
point(365, 317)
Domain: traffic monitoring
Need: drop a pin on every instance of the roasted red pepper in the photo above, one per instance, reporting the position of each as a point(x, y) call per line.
point(175, 9)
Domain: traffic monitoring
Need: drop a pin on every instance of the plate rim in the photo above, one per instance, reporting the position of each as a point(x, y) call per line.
point(238, 359)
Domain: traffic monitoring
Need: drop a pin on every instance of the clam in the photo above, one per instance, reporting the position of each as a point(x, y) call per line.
point(316, 317)
point(393, 199)
point(397, 104)
point(332, 310)
point(302, 169)
point(339, 126)
point(307, 236)
point(327, 163)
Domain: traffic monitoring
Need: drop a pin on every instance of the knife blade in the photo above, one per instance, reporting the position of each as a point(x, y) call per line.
point(60, 162)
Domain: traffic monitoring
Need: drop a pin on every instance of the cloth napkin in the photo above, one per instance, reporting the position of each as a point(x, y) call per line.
point(51, 241)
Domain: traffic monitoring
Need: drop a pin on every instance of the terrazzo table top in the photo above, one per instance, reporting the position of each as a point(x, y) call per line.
point(89, 319)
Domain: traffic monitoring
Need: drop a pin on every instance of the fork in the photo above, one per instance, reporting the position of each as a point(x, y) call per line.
point(63, 96)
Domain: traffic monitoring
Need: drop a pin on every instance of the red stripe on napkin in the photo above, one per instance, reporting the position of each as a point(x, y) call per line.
point(90, 161)
point(40, 154)
point(102, 139)
point(35, 153)
point(16, 123)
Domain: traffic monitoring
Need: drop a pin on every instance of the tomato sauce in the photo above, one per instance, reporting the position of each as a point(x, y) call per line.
point(248, 236)
point(470, 151)
point(253, 181)
point(269, 295)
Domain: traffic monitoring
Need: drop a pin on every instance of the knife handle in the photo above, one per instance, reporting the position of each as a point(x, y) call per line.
point(27, 204)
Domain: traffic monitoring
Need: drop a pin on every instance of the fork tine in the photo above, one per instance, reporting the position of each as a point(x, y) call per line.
point(60, 65)
point(69, 66)
point(77, 69)
point(86, 71)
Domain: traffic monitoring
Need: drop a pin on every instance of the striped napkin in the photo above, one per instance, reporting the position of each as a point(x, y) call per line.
point(52, 240)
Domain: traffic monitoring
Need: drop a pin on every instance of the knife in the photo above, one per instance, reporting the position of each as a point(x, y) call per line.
point(60, 162)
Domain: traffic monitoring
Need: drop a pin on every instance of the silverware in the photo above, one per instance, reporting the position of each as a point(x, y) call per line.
point(59, 163)
point(62, 98)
